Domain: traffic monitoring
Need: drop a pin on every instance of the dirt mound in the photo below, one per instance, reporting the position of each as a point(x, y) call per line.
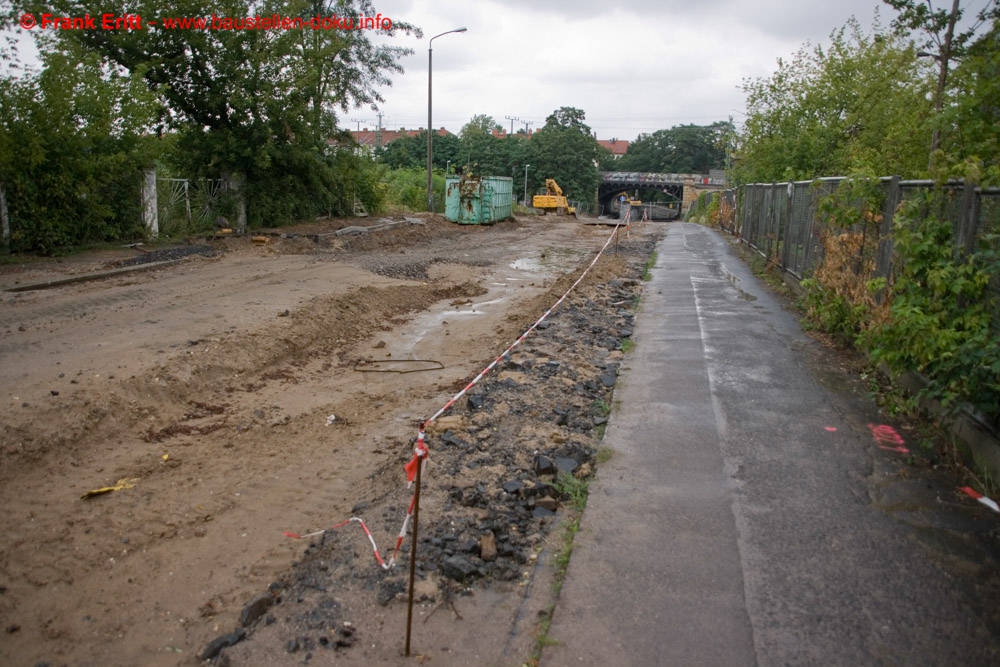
point(223, 399)
point(505, 469)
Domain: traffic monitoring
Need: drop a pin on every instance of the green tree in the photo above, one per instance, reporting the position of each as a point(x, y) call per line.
point(938, 28)
point(261, 103)
point(72, 150)
point(861, 104)
point(483, 153)
point(683, 149)
point(565, 149)
point(480, 151)
point(411, 152)
point(971, 144)
point(481, 124)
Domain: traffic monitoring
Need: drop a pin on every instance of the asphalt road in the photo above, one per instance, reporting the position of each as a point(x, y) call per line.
point(744, 517)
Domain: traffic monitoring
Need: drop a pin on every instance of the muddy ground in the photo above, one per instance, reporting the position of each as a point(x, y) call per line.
point(248, 390)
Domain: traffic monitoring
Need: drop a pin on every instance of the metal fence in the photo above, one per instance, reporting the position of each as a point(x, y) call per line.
point(785, 224)
point(582, 208)
point(193, 204)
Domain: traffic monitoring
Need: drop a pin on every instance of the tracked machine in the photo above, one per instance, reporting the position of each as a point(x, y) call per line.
point(553, 200)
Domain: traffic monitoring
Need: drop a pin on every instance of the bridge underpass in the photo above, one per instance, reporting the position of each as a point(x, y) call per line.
point(680, 190)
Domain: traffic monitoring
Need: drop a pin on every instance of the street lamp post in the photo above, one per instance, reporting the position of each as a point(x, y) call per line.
point(430, 133)
point(526, 184)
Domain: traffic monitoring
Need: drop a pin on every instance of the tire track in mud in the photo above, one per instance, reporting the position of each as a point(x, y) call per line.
point(170, 563)
point(491, 500)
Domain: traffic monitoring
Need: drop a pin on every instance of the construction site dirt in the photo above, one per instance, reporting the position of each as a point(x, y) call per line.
point(163, 429)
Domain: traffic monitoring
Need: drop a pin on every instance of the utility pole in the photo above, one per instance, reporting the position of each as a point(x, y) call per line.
point(729, 152)
point(527, 123)
point(358, 121)
point(512, 119)
point(378, 132)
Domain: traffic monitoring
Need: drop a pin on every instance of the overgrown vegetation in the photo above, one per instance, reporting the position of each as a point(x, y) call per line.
point(920, 99)
point(71, 152)
point(406, 189)
point(938, 313)
point(255, 107)
point(839, 297)
point(935, 315)
point(860, 102)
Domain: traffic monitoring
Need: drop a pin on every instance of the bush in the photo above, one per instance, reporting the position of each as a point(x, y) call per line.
point(939, 319)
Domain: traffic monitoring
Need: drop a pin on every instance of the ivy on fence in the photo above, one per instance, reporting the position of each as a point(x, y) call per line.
point(913, 284)
point(939, 311)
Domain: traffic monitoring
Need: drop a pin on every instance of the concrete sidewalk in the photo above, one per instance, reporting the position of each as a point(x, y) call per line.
point(733, 524)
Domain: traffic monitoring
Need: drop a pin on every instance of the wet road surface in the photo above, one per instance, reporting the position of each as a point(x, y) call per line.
point(748, 515)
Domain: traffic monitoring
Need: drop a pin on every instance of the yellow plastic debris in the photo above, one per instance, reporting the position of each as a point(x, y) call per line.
point(126, 483)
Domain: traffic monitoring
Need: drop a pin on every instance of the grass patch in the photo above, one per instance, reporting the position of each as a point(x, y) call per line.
point(650, 263)
point(603, 455)
point(628, 345)
point(574, 489)
point(561, 563)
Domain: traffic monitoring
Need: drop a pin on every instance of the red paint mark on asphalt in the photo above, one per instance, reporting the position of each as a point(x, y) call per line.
point(887, 438)
point(831, 429)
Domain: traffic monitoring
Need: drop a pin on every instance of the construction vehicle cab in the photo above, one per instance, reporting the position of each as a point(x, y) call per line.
point(553, 200)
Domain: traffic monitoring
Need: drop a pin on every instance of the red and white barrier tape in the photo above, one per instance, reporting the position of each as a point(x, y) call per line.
point(989, 502)
point(371, 539)
point(420, 451)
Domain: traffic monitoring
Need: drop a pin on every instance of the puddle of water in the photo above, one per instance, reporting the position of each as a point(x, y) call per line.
point(735, 281)
point(477, 308)
point(551, 260)
point(527, 264)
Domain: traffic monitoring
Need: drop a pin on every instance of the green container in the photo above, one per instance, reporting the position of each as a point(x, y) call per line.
point(478, 200)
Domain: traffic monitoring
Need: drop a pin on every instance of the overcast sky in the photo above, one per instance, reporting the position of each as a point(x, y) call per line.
point(632, 67)
point(635, 67)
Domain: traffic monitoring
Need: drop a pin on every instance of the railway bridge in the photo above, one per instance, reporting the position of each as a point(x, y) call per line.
point(681, 189)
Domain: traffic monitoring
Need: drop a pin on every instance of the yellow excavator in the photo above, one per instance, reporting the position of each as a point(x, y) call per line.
point(553, 200)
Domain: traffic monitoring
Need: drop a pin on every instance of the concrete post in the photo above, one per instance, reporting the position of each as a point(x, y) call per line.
point(883, 267)
point(968, 219)
point(4, 220)
point(149, 207)
point(234, 183)
point(786, 247)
